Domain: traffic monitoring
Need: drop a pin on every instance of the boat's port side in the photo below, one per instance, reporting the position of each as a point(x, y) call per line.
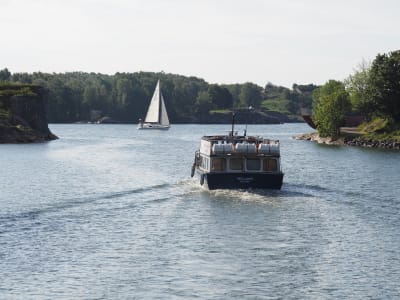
point(204, 163)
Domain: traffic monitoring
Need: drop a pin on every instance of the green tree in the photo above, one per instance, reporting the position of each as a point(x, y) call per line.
point(358, 86)
point(5, 75)
point(234, 90)
point(330, 104)
point(384, 82)
point(203, 103)
point(220, 96)
point(250, 95)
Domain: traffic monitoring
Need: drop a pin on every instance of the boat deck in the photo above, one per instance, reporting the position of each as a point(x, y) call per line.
point(228, 145)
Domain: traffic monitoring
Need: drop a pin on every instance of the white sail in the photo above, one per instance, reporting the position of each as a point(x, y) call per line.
point(153, 113)
point(164, 116)
point(156, 117)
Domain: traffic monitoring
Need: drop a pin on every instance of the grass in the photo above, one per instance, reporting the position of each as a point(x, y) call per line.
point(376, 125)
point(12, 89)
point(25, 91)
point(380, 129)
point(276, 104)
point(220, 111)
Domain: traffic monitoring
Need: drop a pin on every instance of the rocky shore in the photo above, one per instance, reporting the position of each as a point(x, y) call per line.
point(314, 137)
point(358, 141)
point(23, 115)
point(369, 143)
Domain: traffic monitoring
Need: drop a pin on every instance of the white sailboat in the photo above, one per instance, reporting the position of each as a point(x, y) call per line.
point(156, 117)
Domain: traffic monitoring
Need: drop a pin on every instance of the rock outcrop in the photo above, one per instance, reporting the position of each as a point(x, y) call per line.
point(314, 137)
point(23, 114)
point(358, 141)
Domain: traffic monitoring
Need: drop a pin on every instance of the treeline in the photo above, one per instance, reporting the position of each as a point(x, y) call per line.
point(79, 96)
point(373, 90)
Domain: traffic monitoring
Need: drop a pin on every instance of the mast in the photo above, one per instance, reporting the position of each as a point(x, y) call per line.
point(233, 123)
point(163, 115)
point(159, 102)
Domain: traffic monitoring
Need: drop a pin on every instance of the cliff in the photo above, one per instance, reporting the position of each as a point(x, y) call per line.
point(23, 114)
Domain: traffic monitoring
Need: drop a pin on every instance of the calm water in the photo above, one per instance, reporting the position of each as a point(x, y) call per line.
point(108, 211)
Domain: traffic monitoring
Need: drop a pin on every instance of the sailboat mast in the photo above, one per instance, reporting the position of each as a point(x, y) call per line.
point(159, 102)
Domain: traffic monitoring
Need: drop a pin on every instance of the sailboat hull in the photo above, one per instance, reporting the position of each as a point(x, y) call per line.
point(153, 126)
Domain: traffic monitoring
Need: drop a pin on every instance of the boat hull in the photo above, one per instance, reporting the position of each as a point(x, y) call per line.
point(153, 126)
point(241, 180)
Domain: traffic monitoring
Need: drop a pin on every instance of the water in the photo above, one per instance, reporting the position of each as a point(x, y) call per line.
point(108, 211)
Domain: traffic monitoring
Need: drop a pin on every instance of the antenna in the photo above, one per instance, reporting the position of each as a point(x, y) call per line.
point(233, 122)
point(250, 110)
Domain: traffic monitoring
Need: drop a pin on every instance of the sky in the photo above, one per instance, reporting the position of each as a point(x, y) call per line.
point(221, 41)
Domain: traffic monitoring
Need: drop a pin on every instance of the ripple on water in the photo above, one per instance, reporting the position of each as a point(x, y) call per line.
point(97, 215)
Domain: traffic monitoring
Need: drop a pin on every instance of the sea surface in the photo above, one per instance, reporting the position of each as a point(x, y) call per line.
point(111, 212)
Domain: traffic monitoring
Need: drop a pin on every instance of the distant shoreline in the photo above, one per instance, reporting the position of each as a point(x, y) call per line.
point(176, 123)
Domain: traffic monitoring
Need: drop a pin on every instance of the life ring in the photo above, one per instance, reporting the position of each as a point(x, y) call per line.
point(202, 179)
point(192, 172)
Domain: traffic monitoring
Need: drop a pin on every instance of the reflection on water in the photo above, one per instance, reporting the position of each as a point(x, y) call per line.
point(108, 211)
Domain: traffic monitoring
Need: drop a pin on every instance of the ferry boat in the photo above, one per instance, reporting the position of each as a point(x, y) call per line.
point(238, 162)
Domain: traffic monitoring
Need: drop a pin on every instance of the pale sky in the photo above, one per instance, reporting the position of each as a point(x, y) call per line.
point(221, 41)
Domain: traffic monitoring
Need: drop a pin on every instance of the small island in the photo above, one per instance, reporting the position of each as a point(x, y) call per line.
point(373, 93)
point(23, 114)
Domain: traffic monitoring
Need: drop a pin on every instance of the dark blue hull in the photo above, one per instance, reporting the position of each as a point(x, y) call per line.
point(242, 180)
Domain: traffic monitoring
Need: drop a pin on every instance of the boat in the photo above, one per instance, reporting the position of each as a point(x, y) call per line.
point(307, 117)
point(351, 119)
point(156, 117)
point(235, 161)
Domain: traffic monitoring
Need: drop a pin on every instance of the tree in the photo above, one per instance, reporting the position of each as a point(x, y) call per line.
point(358, 86)
point(330, 104)
point(250, 95)
point(220, 96)
point(5, 75)
point(384, 81)
point(203, 103)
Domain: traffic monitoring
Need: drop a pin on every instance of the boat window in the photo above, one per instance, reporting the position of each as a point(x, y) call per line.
point(270, 165)
point(253, 164)
point(218, 164)
point(236, 164)
point(204, 162)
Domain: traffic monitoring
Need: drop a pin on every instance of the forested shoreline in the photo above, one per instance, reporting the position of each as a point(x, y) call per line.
point(124, 97)
point(373, 91)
